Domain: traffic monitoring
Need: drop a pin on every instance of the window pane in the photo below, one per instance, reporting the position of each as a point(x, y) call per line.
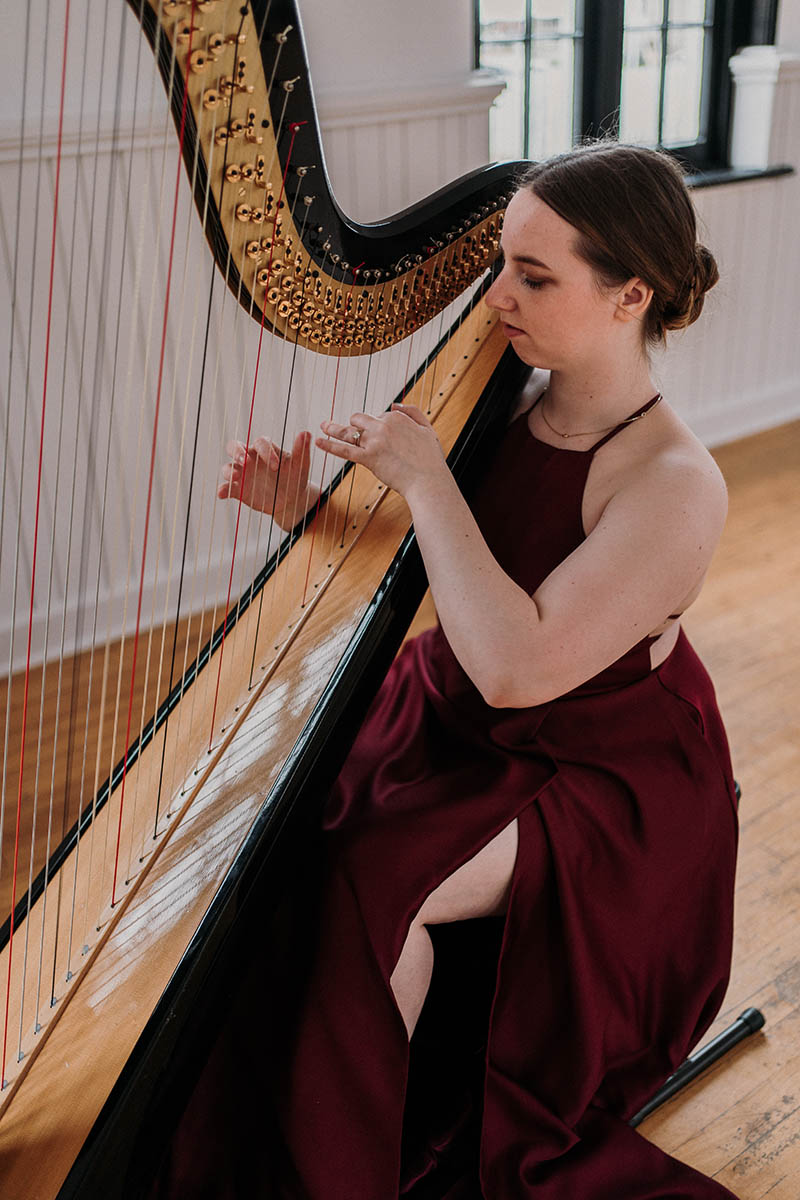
point(643, 12)
point(551, 127)
point(683, 83)
point(687, 10)
point(641, 83)
point(506, 120)
point(553, 16)
point(502, 19)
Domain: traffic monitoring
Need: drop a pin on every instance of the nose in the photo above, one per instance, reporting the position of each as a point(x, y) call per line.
point(497, 295)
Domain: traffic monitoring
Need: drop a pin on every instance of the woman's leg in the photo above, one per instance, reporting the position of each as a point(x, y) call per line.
point(479, 888)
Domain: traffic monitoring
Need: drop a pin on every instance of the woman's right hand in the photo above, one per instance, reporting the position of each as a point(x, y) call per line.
point(270, 480)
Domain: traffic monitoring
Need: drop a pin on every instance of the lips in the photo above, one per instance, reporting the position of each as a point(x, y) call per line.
point(511, 331)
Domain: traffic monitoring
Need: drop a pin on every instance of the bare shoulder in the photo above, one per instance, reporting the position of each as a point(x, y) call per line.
point(675, 475)
point(661, 475)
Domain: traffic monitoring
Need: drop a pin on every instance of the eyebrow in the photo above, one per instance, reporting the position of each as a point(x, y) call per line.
point(532, 262)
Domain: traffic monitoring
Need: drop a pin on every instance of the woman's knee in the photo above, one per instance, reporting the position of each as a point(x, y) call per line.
point(480, 887)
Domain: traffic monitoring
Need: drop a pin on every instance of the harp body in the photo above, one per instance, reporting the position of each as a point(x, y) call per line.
point(252, 728)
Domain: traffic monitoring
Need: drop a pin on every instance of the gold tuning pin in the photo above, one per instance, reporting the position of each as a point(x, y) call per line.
point(198, 61)
point(215, 45)
point(186, 31)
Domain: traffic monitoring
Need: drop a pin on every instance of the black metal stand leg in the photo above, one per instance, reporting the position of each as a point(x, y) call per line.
point(751, 1020)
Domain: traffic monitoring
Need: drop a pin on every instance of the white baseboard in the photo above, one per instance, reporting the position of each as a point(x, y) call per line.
point(732, 417)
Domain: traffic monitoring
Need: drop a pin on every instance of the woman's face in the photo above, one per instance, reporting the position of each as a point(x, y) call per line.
point(549, 303)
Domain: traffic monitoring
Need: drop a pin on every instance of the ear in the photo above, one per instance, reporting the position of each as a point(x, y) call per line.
point(633, 300)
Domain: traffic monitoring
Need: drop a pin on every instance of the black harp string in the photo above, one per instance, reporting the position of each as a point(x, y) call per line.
point(128, 304)
point(200, 395)
point(340, 387)
point(169, 419)
point(109, 256)
point(114, 176)
point(343, 391)
point(348, 505)
point(280, 339)
point(238, 323)
point(237, 319)
point(319, 360)
point(277, 130)
point(280, 460)
point(293, 129)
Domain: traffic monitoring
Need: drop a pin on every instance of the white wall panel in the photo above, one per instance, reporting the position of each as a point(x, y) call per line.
point(738, 369)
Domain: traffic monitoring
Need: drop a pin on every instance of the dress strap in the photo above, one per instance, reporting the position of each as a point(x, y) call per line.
point(640, 412)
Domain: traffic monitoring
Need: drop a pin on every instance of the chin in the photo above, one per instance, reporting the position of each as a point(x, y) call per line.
point(526, 354)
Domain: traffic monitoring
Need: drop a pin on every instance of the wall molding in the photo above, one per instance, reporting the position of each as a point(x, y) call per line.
point(86, 138)
point(357, 107)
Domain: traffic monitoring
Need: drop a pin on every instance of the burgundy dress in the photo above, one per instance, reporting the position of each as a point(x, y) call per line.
point(615, 950)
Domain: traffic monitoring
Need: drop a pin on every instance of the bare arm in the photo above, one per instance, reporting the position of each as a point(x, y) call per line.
point(648, 551)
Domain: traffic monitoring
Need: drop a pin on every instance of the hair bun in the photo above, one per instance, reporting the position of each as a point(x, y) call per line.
point(688, 303)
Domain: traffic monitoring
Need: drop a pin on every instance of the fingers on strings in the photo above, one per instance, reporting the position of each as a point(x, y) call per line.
point(262, 455)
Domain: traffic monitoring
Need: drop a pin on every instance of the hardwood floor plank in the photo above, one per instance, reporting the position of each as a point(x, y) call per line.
point(741, 1122)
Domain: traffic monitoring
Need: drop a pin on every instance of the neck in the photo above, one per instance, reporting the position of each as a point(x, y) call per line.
point(595, 399)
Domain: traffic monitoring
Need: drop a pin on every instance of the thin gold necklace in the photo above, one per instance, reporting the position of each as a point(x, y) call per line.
point(596, 432)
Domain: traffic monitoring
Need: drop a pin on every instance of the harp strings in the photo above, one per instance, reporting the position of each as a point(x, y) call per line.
point(158, 373)
point(59, 664)
point(36, 532)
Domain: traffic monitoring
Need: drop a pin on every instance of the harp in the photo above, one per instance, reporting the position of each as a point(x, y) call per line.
point(133, 860)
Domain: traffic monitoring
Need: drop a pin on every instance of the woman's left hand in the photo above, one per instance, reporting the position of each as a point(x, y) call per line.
point(400, 446)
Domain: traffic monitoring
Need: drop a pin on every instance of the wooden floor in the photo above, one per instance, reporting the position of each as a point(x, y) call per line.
point(741, 1122)
point(85, 747)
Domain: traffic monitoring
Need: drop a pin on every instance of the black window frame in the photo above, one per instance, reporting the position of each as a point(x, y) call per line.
point(736, 23)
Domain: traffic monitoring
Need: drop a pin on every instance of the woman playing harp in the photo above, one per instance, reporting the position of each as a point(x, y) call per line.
point(550, 755)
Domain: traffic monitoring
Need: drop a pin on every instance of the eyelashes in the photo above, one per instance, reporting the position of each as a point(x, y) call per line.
point(526, 280)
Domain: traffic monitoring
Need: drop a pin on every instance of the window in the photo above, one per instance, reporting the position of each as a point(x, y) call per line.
point(653, 71)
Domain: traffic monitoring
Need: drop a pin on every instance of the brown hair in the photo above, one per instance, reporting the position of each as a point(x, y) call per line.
point(635, 217)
